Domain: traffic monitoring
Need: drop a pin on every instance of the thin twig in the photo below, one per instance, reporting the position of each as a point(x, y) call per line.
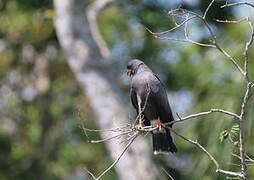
point(90, 173)
point(186, 34)
point(246, 49)
point(231, 173)
point(207, 9)
point(167, 174)
point(117, 159)
point(129, 138)
point(117, 129)
point(110, 138)
point(232, 21)
point(214, 40)
point(172, 29)
point(243, 70)
point(231, 59)
point(204, 21)
point(241, 133)
point(245, 100)
point(235, 155)
point(234, 115)
point(233, 164)
point(237, 4)
point(249, 158)
point(211, 111)
point(185, 40)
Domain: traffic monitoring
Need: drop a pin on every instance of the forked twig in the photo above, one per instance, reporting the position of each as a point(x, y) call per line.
point(180, 12)
point(237, 4)
point(218, 169)
point(117, 159)
point(110, 138)
point(117, 129)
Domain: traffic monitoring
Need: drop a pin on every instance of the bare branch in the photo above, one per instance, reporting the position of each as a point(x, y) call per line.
point(207, 9)
point(241, 133)
point(209, 112)
point(231, 173)
point(234, 115)
point(117, 129)
point(185, 40)
point(237, 4)
point(172, 29)
point(110, 138)
point(117, 159)
point(90, 173)
point(231, 59)
point(204, 21)
point(232, 21)
point(235, 155)
point(218, 169)
point(208, 27)
point(167, 174)
point(248, 159)
point(246, 50)
point(245, 100)
point(186, 34)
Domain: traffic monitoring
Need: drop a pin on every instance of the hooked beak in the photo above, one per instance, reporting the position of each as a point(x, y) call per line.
point(129, 72)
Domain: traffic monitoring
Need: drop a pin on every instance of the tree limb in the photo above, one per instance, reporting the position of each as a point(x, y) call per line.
point(237, 4)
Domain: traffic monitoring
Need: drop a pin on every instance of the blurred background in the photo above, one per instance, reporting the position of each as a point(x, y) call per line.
point(42, 105)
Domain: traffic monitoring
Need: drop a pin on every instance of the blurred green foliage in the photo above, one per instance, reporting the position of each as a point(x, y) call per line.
point(42, 106)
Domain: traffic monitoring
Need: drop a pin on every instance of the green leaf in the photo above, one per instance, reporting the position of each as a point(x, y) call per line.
point(235, 129)
point(223, 135)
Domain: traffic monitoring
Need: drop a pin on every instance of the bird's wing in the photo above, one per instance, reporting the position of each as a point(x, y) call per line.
point(160, 99)
point(134, 99)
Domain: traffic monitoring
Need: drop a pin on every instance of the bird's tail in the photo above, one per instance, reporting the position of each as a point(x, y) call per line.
point(163, 142)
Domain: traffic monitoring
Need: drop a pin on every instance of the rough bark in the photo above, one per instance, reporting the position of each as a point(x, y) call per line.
point(92, 72)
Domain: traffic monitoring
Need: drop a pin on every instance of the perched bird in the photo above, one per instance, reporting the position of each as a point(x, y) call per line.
point(149, 98)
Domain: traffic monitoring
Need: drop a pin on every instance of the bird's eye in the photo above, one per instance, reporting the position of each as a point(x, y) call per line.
point(129, 67)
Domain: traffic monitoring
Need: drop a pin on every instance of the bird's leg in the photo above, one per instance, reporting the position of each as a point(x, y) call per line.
point(139, 127)
point(160, 125)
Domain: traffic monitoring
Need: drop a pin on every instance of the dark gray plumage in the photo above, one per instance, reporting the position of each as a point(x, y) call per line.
point(148, 92)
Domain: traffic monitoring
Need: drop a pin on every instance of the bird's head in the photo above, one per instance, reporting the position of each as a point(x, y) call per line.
point(132, 66)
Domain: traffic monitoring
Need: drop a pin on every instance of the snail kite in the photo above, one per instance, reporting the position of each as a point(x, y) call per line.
point(149, 98)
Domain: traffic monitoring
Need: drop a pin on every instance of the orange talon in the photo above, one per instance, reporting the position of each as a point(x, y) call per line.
point(139, 127)
point(160, 125)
